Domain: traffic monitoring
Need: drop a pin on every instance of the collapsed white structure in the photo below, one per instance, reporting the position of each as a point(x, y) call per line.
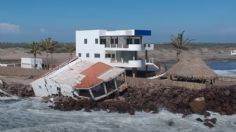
point(81, 78)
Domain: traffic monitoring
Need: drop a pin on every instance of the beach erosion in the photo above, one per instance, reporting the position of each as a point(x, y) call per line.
point(142, 95)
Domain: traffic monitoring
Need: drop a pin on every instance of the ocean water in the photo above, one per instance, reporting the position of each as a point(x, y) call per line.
point(32, 115)
point(224, 68)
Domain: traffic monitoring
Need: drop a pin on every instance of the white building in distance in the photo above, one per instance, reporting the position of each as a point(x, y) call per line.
point(117, 48)
point(31, 63)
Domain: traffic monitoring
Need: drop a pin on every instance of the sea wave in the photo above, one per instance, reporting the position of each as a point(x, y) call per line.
point(231, 73)
point(33, 115)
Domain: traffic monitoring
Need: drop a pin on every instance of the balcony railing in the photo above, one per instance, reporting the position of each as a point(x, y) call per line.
point(125, 47)
point(123, 63)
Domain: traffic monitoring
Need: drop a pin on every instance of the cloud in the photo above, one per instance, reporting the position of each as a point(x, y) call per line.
point(7, 28)
point(42, 30)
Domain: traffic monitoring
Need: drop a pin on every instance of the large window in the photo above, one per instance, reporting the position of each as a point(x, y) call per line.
point(137, 41)
point(120, 80)
point(110, 85)
point(129, 41)
point(79, 54)
point(98, 90)
point(85, 41)
point(102, 41)
point(87, 55)
point(96, 55)
point(84, 93)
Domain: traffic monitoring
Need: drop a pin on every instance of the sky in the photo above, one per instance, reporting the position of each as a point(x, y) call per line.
point(202, 20)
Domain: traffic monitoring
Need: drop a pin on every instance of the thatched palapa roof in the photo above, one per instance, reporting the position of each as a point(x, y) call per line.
point(191, 66)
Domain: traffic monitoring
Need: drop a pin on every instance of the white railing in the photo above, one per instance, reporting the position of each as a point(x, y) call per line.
point(129, 47)
point(122, 63)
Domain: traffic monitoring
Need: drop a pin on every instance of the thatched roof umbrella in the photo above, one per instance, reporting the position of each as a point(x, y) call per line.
point(191, 67)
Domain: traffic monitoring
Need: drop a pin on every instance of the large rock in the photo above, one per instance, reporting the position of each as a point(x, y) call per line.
point(198, 105)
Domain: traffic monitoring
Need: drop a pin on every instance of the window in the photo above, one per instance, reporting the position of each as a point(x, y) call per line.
point(98, 91)
point(79, 54)
point(84, 93)
point(96, 41)
point(108, 55)
point(129, 41)
point(87, 55)
point(96, 55)
point(85, 41)
point(112, 41)
point(110, 85)
point(149, 45)
point(116, 41)
point(102, 41)
point(137, 41)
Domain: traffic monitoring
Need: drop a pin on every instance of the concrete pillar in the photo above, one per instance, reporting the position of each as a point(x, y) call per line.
point(134, 72)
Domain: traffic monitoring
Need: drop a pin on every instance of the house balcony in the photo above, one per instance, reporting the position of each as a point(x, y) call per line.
point(124, 47)
point(126, 64)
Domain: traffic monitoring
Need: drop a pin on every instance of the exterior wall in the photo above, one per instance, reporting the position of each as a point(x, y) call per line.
point(44, 87)
point(90, 47)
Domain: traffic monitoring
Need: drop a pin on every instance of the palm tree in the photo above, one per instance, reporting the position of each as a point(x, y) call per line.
point(51, 51)
point(46, 44)
point(180, 43)
point(35, 49)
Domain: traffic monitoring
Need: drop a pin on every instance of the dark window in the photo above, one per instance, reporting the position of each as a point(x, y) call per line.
point(102, 41)
point(149, 45)
point(129, 41)
point(137, 41)
point(96, 41)
point(79, 54)
point(87, 55)
point(98, 90)
point(84, 93)
point(108, 55)
point(116, 41)
point(85, 41)
point(112, 41)
point(110, 85)
point(120, 80)
point(96, 55)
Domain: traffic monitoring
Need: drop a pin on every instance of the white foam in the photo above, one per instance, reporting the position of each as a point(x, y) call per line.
point(33, 115)
point(231, 73)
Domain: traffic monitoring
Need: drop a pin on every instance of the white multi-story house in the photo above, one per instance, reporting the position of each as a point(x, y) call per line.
point(117, 48)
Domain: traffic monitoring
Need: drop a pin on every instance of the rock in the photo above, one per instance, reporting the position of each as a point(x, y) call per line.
point(208, 124)
point(212, 120)
point(199, 119)
point(121, 98)
point(198, 105)
point(171, 123)
point(227, 92)
point(206, 114)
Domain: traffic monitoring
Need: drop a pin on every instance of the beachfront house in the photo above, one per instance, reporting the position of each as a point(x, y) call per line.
point(81, 78)
point(117, 48)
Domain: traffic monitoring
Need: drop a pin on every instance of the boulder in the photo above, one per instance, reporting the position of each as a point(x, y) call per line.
point(198, 105)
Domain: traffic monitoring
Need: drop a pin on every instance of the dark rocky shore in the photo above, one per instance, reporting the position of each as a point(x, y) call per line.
point(152, 99)
point(15, 89)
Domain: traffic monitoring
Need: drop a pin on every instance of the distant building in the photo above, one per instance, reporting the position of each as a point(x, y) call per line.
point(32, 63)
point(117, 48)
point(81, 78)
